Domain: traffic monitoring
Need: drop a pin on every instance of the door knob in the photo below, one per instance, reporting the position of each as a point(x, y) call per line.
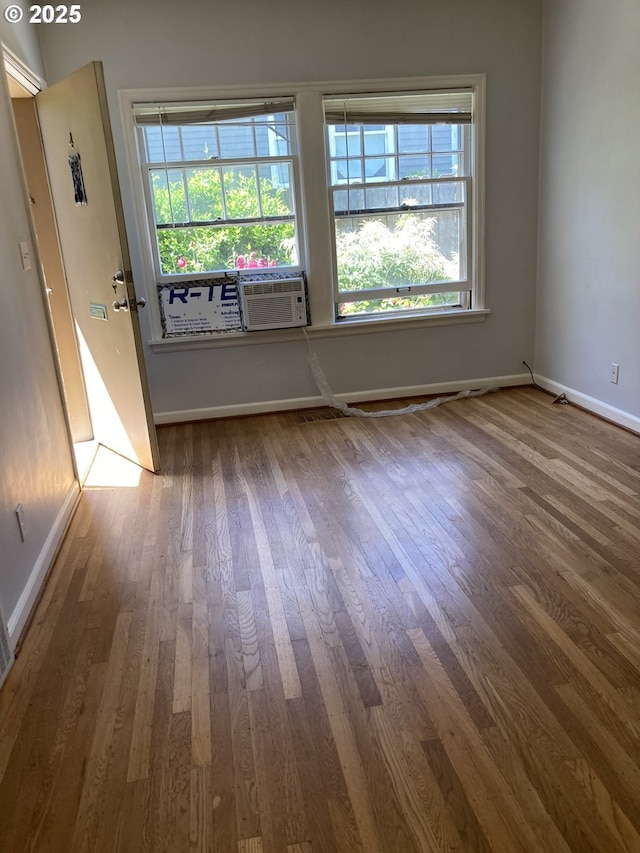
point(141, 302)
point(118, 277)
point(120, 305)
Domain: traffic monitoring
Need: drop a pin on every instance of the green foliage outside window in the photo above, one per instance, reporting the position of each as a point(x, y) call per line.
point(375, 255)
point(205, 248)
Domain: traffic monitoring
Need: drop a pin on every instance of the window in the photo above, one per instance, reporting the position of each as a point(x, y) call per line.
point(375, 191)
point(400, 179)
point(220, 185)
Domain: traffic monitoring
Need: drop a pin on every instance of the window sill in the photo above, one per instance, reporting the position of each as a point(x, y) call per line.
point(341, 329)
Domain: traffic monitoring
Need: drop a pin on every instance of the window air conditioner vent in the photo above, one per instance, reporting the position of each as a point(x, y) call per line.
point(279, 304)
point(286, 286)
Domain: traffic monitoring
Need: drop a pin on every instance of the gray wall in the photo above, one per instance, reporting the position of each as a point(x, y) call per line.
point(588, 304)
point(155, 44)
point(35, 461)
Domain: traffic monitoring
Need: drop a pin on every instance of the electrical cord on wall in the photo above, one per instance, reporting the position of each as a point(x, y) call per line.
point(561, 398)
point(330, 399)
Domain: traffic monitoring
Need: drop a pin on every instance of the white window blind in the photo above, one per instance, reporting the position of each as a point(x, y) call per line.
point(198, 113)
point(435, 107)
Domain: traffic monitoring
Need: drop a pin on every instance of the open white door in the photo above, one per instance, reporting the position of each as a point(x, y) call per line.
point(78, 146)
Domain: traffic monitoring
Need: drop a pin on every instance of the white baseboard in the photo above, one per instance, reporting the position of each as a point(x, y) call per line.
point(215, 412)
point(604, 410)
point(19, 617)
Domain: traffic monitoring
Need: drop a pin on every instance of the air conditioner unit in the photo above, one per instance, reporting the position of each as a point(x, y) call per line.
point(273, 304)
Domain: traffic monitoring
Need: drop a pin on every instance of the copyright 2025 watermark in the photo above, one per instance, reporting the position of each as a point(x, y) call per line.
point(46, 14)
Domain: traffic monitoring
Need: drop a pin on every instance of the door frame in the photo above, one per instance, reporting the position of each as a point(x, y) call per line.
point(19, 75)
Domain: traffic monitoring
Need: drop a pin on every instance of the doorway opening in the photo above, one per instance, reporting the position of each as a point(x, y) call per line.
point(84, 261)
point(22, 90)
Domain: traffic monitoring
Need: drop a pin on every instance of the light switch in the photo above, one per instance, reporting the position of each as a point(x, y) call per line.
point(25, 254)
point(21, 522)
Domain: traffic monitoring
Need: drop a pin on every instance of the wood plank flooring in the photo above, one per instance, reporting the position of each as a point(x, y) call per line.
point(416, 633)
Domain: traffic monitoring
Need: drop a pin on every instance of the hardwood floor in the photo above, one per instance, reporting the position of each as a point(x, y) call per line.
point(399, 634)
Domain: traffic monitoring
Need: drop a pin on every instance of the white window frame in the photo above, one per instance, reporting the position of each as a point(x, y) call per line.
point(463, 285)
point(219, 164)
point(362, 113)
point(315, 225)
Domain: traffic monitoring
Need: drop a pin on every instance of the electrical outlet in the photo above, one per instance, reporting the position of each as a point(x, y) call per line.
point(614, 373)
point(21, 522)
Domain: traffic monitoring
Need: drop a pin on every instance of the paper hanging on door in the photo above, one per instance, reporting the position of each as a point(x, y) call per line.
point(79, 192)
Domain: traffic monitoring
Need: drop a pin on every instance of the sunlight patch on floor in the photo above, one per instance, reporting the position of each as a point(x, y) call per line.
point(109, 470)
